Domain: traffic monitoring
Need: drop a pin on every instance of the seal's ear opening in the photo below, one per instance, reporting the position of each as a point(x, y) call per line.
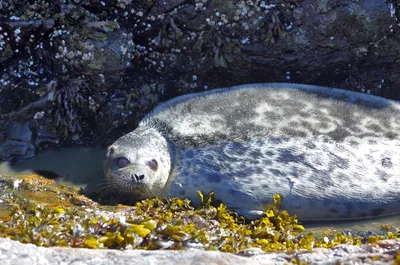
point(111, 149)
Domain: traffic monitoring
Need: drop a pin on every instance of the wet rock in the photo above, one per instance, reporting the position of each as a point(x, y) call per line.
point(45, 137)
point(12, 148)
point(17, 141)
point(19, 131)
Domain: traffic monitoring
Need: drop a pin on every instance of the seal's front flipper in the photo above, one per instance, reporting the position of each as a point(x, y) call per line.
point(251, 214)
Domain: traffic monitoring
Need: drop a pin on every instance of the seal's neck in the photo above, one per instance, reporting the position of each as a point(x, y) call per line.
point(173, 152)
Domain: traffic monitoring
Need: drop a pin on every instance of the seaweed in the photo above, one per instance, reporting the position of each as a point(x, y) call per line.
point(47, 214)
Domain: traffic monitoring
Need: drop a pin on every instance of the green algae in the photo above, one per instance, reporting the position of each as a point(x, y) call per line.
point(47, 214)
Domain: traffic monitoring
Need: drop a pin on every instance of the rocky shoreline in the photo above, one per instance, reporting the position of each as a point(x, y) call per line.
point(12, 252)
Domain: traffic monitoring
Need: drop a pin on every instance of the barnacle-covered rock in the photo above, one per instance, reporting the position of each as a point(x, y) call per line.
point(98, 49)
point(117, 47)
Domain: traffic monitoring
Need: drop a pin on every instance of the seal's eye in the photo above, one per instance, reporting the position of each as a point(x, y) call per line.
point(153, 164)
point(122, 162)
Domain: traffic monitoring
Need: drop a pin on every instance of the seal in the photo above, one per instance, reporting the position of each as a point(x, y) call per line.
point(330, 153)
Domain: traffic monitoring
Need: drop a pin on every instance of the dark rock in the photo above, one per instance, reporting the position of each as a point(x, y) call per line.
point(45, 137)
point(102, 67)
point(19, 131)
point(99, 50)
point(18, 141)
point(12, 148)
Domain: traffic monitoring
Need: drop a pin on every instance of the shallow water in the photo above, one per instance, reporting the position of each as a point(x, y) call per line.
point(83, 167)
point(362, 227)
point(77, 166)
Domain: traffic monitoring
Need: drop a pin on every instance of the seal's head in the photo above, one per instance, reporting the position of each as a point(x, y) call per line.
point(139, 163)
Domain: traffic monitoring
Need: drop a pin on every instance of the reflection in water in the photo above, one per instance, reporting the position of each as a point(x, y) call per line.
point(77, 166)
point(360, 227)
point(83, 167)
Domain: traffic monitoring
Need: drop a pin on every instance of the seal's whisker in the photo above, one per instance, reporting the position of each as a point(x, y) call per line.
point(105, 185)
point(152, 192)
point(156, 191)
point(102, 184)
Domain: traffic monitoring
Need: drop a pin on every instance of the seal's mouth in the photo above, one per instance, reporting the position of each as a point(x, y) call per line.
point(135, 192)
point(137, 187)
point(129, 185)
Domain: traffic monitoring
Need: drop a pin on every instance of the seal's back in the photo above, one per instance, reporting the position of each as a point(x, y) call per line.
point(277, 110)
point(329, 153)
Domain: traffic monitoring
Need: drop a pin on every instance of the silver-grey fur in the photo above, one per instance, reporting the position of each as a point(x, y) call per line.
point(330, 153)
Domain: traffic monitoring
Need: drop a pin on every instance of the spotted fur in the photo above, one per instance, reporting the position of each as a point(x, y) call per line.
point(330, 153)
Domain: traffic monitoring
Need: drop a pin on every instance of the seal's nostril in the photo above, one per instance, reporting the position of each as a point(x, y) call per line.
point(138, 177)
